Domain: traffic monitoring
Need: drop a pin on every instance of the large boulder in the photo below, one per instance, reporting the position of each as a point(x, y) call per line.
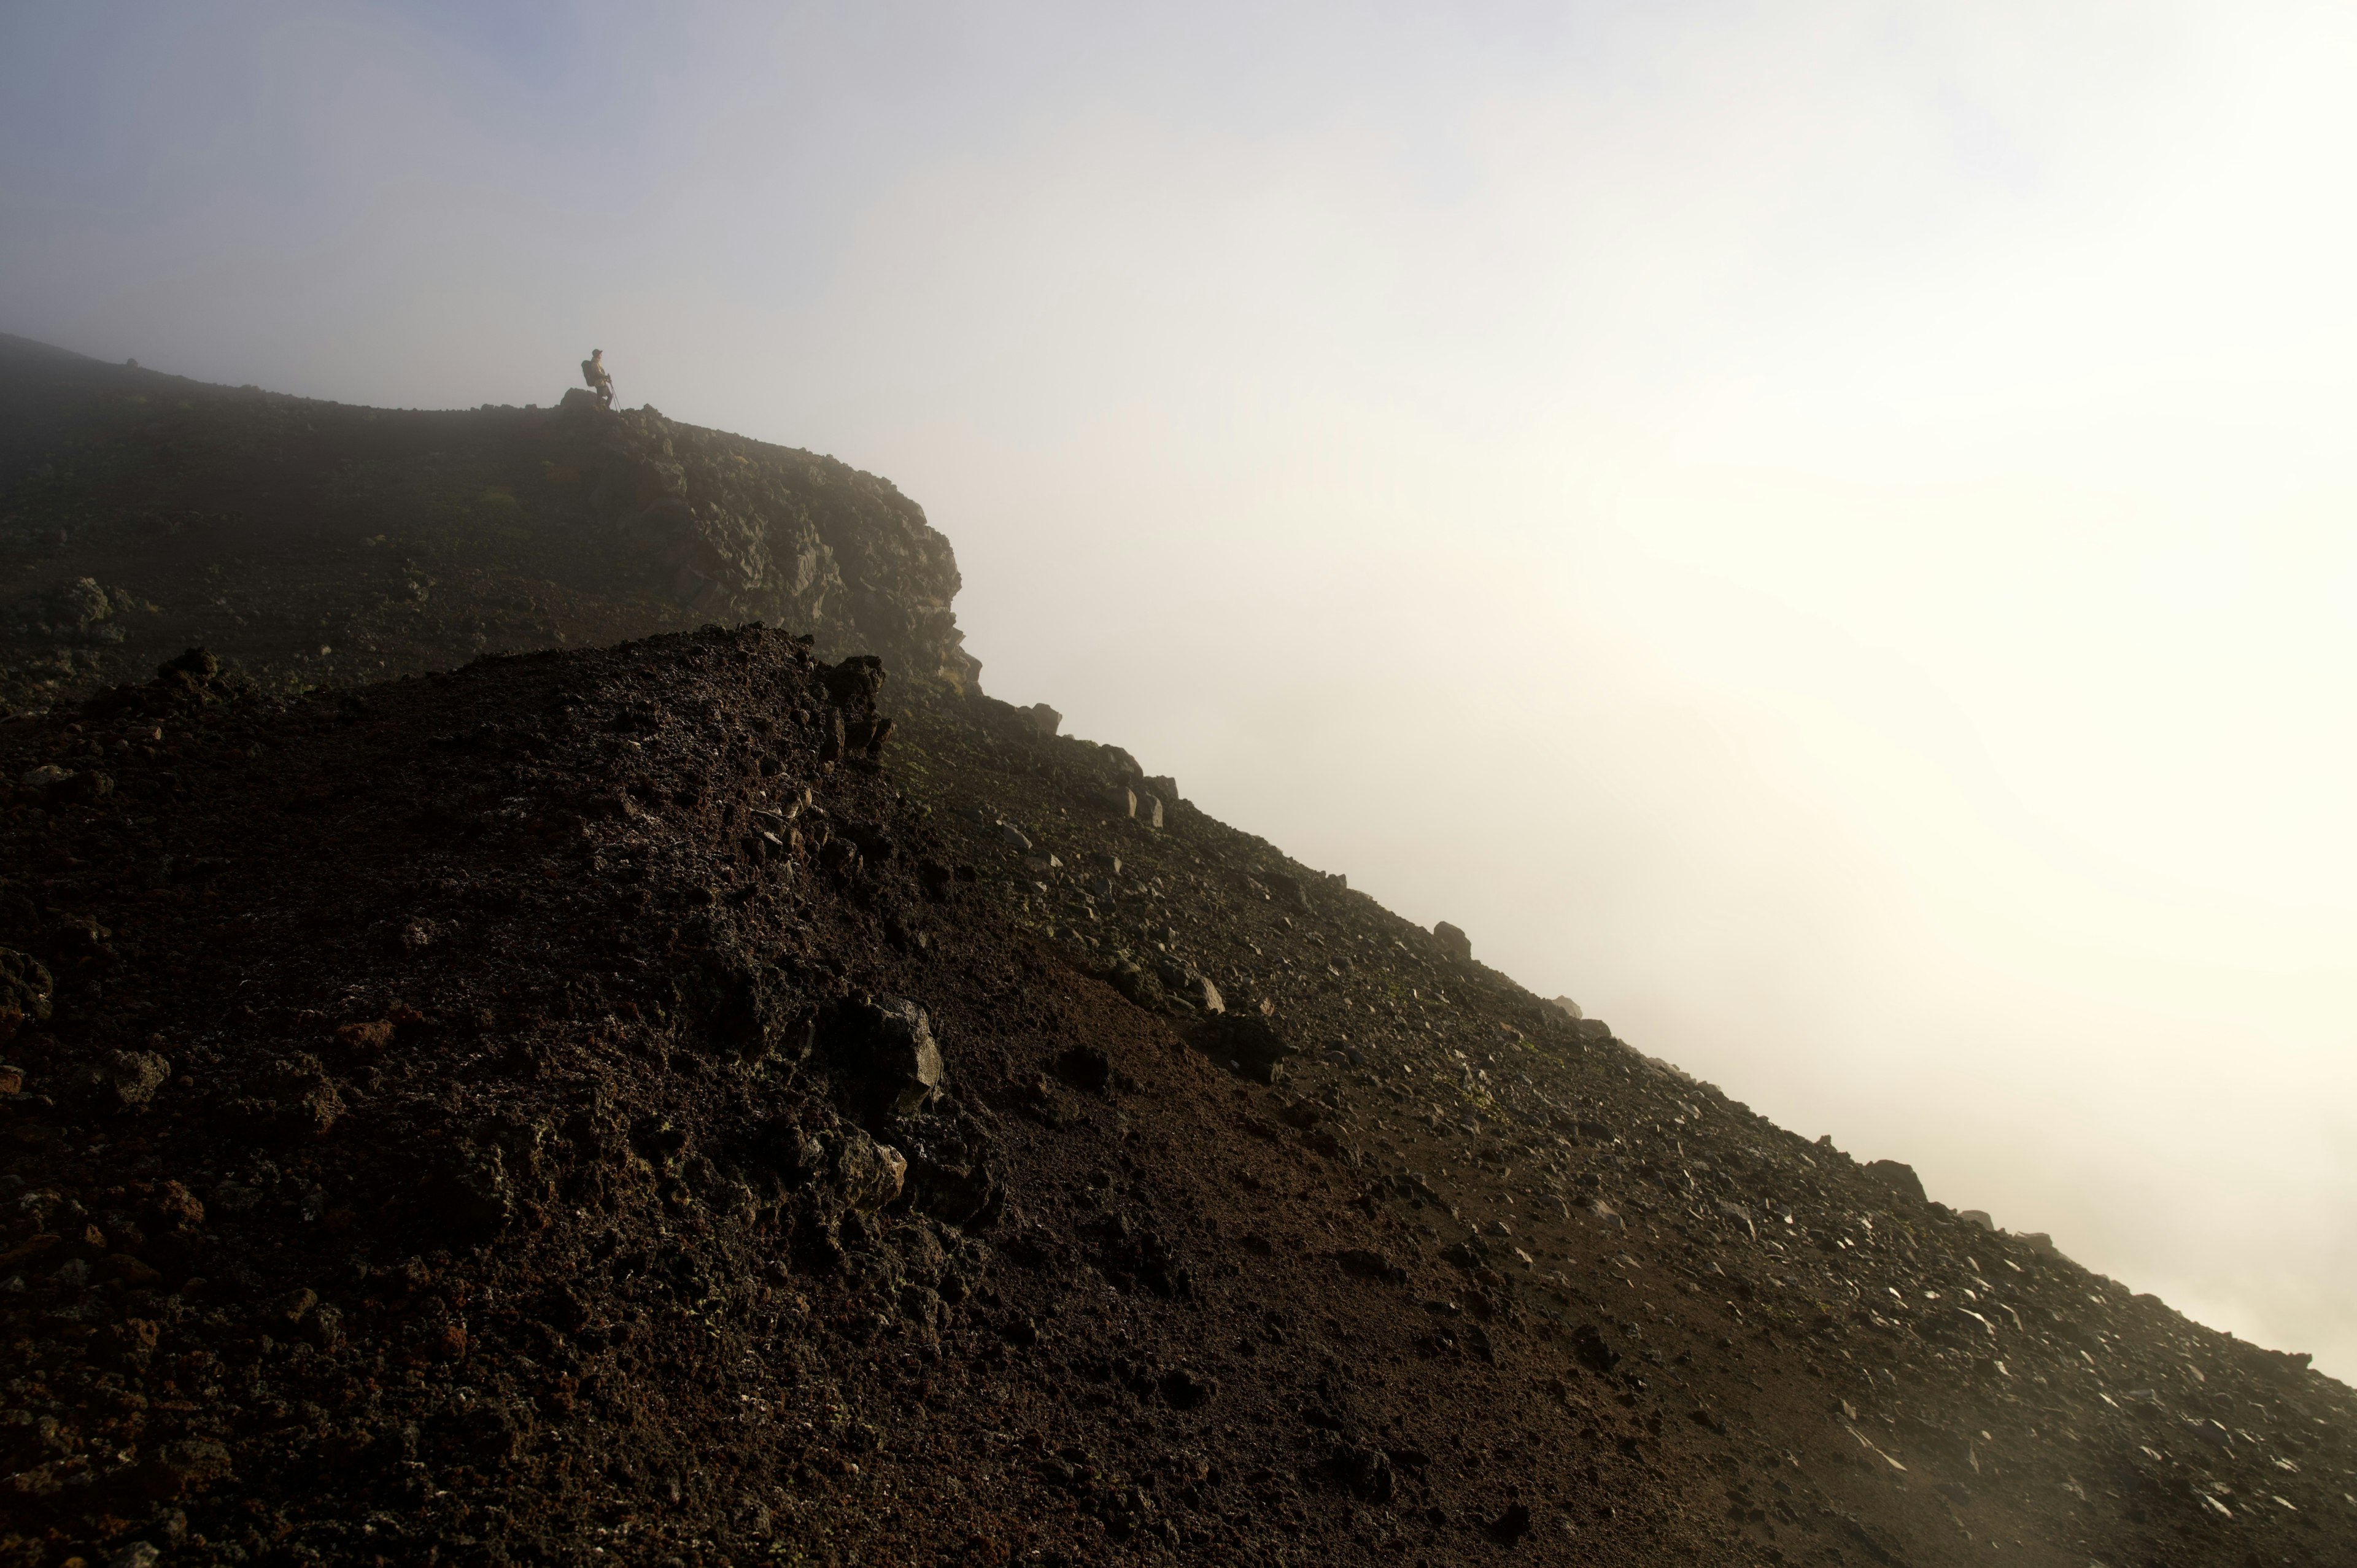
point(882, 1052)
point(1900, 1178)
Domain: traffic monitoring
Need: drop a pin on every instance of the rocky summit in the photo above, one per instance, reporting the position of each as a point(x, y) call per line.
point(315, 543)
point(741, 1095)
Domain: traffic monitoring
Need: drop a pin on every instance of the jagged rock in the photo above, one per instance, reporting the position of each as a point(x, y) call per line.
point(1286, 889)
point(1186, 984)
point(25, 989)
point(1455, 945)
point(1045, 720)
point(1568, 1007)
point(136, 1075)
point(953, 1175)
point(868, 1173)
point(1900, 1178)
point(1139, 985)
point(1251, 1044)
point(884, 1050)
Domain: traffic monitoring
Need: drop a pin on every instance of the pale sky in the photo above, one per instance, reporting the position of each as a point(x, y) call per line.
point(1821, 530)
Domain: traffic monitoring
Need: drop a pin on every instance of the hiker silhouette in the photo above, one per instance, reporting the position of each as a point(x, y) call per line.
point(601, 379)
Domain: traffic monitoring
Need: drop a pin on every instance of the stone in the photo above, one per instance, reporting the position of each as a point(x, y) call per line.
point(1568, 1007)
point(1198, 990)
point(1120, 800)
point(1045, 720)
point(1139, 985)
point(868, 1173)
point(178, 1207)
point(1589, 1347)
point(1455, 945)
point(1594, 1029)
point(884, 1048)
point(291, 1100)
point(1165, 788)
point(1251, 1044)
point(1979, 1217)
point(373, 1035)
point(1899, 1178)
point(136, 1075)
point(1149, 809)
point(1014, 838)
point(45, 780)
point(25, 990)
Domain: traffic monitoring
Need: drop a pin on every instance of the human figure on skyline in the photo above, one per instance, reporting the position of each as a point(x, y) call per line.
point(601, 380)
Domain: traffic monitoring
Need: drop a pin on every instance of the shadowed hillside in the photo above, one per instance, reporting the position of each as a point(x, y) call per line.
point(705, 1100)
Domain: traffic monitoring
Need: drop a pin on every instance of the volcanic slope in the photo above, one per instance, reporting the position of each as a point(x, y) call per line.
point(646, 1106)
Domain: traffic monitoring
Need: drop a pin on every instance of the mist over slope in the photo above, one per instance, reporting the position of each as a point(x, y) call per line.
point(708, 1099)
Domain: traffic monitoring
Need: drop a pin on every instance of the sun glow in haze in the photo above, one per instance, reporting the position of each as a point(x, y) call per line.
point(1823, 530)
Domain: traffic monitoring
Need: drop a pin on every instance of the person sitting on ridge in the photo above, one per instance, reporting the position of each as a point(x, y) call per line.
point(601, 380)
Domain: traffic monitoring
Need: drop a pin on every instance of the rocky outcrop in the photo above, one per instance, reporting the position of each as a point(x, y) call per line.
point(311, 543)
point(738, 529)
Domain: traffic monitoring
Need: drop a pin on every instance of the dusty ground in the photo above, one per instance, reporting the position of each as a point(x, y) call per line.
point(488, 1117)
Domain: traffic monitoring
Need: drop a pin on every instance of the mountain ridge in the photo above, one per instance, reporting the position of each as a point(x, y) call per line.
point(709, 1098)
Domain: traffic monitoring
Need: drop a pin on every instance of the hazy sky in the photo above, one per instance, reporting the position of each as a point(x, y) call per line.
point(1823, 530)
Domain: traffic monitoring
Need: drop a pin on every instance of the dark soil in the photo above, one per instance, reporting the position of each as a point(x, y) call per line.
point(647, 1104)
